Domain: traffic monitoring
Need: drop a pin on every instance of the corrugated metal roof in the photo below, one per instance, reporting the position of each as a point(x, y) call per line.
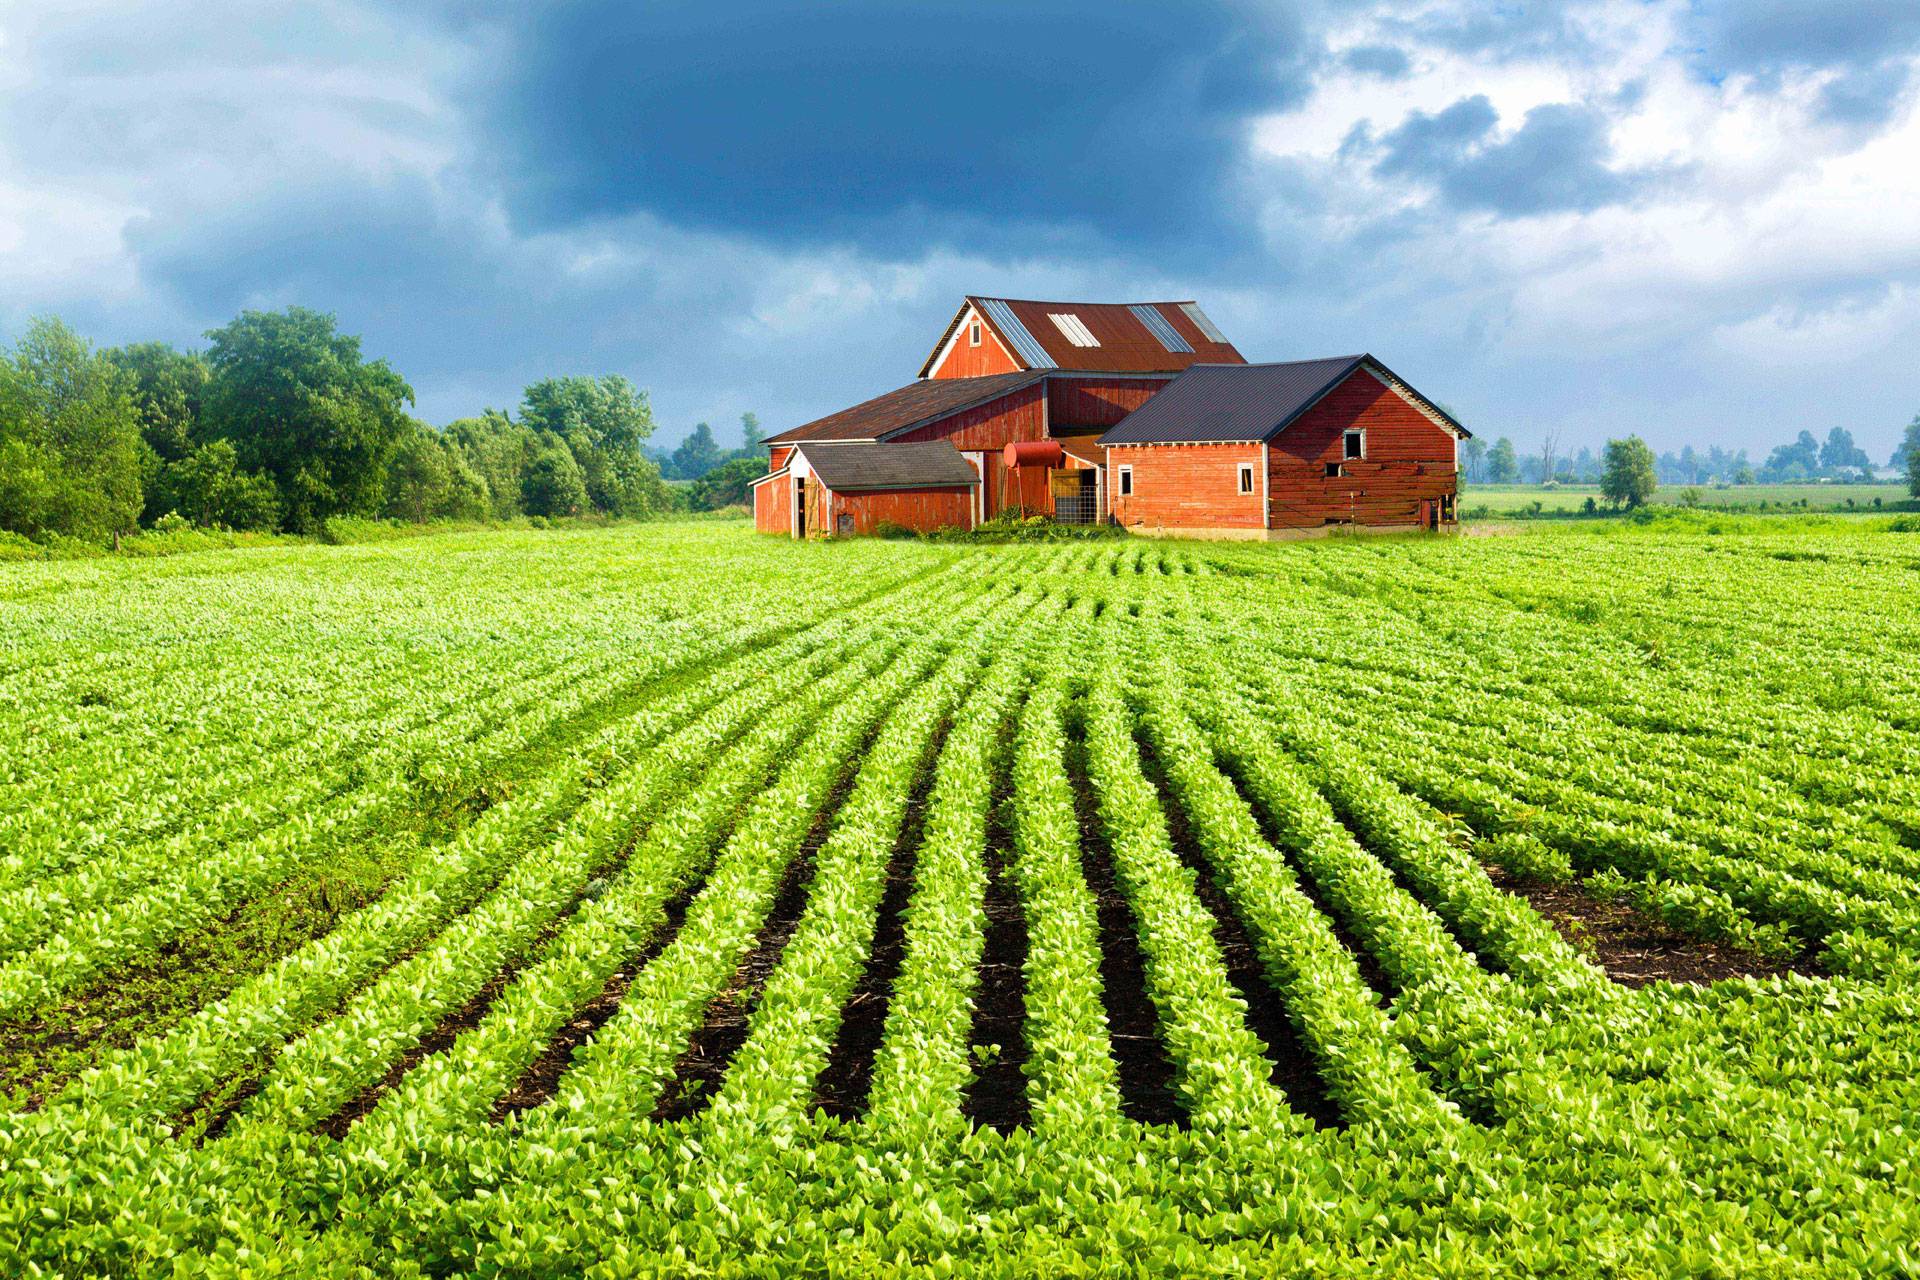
point(909, 406)
point(925, 464)
point(1211, 403)
point(1018, 336)
point(1158, 325)
point(1126, 344)
point(1207, 328)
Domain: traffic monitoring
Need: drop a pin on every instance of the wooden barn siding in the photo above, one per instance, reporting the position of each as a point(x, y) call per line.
point(1079, 403)
point(1019, 415)
point(1409, 462)
point(778, 455)
point(964, 361)
point(773, 506)
point(1185, 486)
point(919, 509)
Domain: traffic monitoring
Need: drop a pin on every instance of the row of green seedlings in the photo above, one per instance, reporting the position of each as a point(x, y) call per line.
point(1578, 669)
point(1695, 887)
point(119, 931)
point(1667, 779)
point(638, 764)
point(771, 1081)
point(1325, 995)
point(114, 911)
point(87, 864)
point(1533, 1068)
point(320, 1073)
point(201, 738)
point(439, 1109)
point(1781, 795)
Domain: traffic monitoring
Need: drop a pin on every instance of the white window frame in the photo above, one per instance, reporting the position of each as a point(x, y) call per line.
point(1246, 479)
point(1350, 432)
point(973, 332)
point(1126, 482)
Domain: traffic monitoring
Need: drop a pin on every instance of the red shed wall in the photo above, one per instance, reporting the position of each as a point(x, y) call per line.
point(1185, 486)
point(918, 509)
point(1080, 403)
point(1409, 464)
point(965, 361)
point(773, 506)
point(778, 455)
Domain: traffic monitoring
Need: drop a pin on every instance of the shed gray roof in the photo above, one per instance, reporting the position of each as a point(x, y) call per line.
point(1215, 402)
point(850, 468)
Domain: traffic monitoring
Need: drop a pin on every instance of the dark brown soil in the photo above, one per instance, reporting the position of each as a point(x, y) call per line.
point(1636, 948)
point(1292, 1068)
point(1147, 1092)
point(1371, 971)
point(997, 1098)
point(700, 1070)
point(847, 1080)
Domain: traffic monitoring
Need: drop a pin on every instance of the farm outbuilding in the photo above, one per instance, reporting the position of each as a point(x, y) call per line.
point(1062, 409)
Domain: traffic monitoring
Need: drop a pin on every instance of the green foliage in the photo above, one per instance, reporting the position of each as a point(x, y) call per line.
point(726, 485)
point(1629, 478)
point(298, 402)
point(429, 478)
point(359, 911)
point(207, 488)
point(552, 483)
point(71, 457)
point(1503, 464)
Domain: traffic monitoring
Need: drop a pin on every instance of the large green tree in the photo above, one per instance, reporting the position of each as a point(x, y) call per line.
point(429, 479)
point(71, 459)
point(498, 450)
point(1629, 478)
point(698, 454)
point(1503, 466)
point(1906, 458)
point(169, 387)
point(604, 421)
point(726, 485)
point(299, 402)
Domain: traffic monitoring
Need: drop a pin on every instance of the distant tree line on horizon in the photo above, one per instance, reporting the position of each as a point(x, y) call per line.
point(282, 424)
point(1806, 459)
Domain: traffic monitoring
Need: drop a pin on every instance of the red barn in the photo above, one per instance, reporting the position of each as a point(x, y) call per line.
point(1028, 397)
point(1284, 450)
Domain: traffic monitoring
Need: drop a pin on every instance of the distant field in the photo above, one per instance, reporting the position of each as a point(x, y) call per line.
point(1500, 499)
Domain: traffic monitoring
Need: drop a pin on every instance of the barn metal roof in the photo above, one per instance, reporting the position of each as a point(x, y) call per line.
point(909, 406)
point(1219, 402)
point(1129, 337)
point(851, 468)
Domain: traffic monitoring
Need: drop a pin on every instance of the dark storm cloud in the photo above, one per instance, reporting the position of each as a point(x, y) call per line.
point(885, 124)
point(1557, 160)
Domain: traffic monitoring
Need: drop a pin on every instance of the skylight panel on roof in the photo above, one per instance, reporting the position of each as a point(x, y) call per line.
point(1200, 322)
point(1077, 333)
point(1024, 343)
point(1158, 326)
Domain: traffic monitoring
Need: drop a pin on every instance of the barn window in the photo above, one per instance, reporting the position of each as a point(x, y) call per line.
point(1126, 482)
point(1355, 444)
point(1246, 477)
point(1334, 469)
point(973, 334)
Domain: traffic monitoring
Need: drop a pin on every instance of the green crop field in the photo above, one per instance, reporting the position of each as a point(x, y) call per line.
point(1569, 499)
point(665, 900)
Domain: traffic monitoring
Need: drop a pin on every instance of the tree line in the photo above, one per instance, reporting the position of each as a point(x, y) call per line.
point(1806, 458)
point(282, 423)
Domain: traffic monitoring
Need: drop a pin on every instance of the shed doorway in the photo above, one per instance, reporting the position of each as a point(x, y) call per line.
point(1074, 495)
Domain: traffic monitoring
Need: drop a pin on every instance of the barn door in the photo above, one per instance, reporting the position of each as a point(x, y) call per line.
point(799, 507)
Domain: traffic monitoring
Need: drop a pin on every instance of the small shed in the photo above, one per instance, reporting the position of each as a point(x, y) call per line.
point(853, 488)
